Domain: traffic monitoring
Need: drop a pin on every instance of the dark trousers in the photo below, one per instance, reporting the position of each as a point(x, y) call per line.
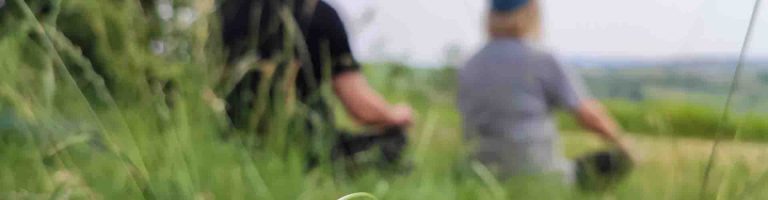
point(602, 170)
point(389, 143)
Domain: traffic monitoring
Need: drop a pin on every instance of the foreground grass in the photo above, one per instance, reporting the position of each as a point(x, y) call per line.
point(156, 133)
point(672, 168)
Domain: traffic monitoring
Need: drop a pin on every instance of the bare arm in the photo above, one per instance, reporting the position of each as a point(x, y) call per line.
point(365, 105)
point(593, 116)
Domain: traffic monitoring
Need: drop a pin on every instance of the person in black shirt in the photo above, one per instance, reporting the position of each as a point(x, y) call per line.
point(324, 54)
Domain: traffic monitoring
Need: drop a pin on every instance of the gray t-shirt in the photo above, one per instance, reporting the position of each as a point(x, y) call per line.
point(507, 93)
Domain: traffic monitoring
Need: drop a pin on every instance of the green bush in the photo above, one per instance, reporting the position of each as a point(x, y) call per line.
point(674, 118)
point(630, 115)
point(114, 120)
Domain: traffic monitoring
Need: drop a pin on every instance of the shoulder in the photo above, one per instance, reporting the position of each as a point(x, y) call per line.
point(548, 65)
point(540, 52)
point(543, 58)
point(323, 9)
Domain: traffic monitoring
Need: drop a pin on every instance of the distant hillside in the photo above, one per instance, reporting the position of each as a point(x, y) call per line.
point(696, 61)
point(703, 81)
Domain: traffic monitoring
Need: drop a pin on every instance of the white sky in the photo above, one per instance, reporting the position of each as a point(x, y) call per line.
point(418, 31)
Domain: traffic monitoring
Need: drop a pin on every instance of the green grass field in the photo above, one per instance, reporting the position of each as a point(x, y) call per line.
point(118, 120)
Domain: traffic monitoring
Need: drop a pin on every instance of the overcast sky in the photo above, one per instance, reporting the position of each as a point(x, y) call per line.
point(419, 31)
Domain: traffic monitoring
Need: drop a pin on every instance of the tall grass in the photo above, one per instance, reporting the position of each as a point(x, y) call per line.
point(110, 100)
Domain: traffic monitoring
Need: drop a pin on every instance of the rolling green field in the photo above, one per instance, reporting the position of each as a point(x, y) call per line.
point(89, 111)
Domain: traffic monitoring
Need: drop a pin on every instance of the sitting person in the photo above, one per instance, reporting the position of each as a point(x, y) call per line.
point(321, 49)
point(507, 92)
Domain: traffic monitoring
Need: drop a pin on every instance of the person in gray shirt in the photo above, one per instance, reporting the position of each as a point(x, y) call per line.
point(508, 91)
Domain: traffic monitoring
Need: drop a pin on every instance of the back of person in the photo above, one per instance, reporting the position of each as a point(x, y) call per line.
point(506, 94)
point(515, 98)
point(302, 45)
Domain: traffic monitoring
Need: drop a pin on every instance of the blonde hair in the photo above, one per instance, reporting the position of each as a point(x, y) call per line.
point(523, 23)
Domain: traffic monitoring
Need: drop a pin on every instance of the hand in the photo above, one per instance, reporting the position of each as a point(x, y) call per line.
point(624, 146)
point(401, 115)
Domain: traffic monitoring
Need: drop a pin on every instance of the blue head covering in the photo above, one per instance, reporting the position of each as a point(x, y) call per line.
point(507, 5)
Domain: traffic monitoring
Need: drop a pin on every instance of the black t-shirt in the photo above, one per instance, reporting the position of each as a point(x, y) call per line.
point(323, 31)
point(250, 25)
point(326, 30)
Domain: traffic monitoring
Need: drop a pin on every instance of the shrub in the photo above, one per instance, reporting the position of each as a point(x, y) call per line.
point(675, 118)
